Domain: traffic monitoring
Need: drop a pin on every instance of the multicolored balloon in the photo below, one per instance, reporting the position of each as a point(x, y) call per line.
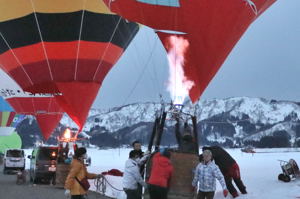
point(62, 47)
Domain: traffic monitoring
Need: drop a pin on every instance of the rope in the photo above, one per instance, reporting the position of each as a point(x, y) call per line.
point(79, 39)
point(252, 6)
point(42, 40)
point(101, 183)
point(141, 74)
point(15, 56)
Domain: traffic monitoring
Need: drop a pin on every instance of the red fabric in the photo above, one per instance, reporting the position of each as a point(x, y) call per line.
point(61, 51)
point(225, 193)
point(10, 118)
point(77, 75)
point(213, 28)
point(77, 99)
point(34, 105)
point(47, 123)
point(47, 111)
point(113, 172)
point(161, 171)
point(234, 171)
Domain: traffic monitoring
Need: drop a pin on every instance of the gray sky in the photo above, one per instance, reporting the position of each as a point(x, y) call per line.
point(265, 63)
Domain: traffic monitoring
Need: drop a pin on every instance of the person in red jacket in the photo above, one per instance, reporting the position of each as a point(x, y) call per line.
point(160, 176)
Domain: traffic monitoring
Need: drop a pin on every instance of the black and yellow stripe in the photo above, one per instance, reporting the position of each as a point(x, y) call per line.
point(12, 9)
point(60, 27)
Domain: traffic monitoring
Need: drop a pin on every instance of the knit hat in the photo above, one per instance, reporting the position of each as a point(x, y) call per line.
point(79, 152)
point(165, 152)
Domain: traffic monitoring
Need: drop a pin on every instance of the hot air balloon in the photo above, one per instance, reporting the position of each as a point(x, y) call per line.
point(12, 141)
point(6, 118)
point(44, 107)
point(62, 47)
point(212, 27)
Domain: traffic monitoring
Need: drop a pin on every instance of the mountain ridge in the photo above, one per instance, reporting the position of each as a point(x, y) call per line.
point(235, 121)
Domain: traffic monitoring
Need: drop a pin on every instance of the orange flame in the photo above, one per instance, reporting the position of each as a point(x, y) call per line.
point(67, 134)
point(178, 85)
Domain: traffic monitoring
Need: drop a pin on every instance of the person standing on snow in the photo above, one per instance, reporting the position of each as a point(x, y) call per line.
point(132, 176)
point(143, 156)
point(136, 145)
point(160, 176)
point(229, 168)
point(77, 176)
point(205, 177)
point(141, 160)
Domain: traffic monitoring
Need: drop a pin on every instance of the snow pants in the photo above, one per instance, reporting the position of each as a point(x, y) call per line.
point(234, 174)
point(78, 197)
point(205, 195)
point(157, 192)
point(132, 193)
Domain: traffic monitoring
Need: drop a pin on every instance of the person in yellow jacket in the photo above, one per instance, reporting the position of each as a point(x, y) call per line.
point(78, 172)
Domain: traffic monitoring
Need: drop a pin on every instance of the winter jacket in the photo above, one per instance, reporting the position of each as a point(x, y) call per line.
point(78, 169)
point(161, 171)
point(221, 158)
point(132, 176)
point(206, 175)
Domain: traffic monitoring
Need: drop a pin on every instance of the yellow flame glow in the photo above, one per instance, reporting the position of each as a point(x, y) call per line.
point(67, 133)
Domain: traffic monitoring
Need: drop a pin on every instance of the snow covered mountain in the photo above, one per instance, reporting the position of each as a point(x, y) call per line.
point(232, 121)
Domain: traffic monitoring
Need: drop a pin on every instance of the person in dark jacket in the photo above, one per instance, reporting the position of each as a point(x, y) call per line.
point(136, 145)
point(160, 176)
point(188, 145)
point(229, 168)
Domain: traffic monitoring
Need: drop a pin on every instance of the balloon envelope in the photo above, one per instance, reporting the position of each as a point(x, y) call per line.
point(63, 47)
point(44, 107)
point(212, 27)
point(12, 141)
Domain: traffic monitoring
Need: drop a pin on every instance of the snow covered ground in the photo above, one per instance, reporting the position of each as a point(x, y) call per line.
point(259, 172)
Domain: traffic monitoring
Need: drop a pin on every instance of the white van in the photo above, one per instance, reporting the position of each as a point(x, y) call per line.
point(14, 159)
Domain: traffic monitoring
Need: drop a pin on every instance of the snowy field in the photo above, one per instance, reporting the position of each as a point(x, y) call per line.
point(259, 172)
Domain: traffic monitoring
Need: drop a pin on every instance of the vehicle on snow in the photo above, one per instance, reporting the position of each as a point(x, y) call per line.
point(43, 162)
point(14, 159)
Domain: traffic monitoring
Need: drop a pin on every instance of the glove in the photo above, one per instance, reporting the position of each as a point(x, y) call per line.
point(225, 192)
point(68, 193)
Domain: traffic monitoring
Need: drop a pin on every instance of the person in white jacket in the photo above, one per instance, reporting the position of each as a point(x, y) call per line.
point(205, 177)
point(132, 176)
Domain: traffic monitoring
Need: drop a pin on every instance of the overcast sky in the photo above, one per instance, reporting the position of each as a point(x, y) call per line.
point(264, 63)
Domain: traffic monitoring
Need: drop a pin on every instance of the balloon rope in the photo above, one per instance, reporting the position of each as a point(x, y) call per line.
point(107, 46)
point(141, 74)
point(78, 46)
point(252, 6)
point(33, 105)
point(40, 34)
point(15, 56)
point(50, 103)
